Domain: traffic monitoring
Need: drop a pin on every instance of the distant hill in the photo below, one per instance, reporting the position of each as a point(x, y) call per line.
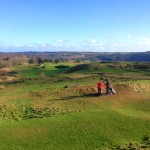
point(88, 56)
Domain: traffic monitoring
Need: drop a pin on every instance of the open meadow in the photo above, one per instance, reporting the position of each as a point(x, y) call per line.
point(55, 106)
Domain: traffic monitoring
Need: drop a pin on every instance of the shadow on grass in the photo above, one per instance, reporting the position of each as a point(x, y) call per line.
point(74, 97)
point(12, 73)
point(61, 67)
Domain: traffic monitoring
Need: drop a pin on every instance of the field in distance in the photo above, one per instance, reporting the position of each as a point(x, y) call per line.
point(55, 106)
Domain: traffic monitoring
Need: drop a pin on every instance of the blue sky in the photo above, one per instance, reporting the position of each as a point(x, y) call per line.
point(75, 25)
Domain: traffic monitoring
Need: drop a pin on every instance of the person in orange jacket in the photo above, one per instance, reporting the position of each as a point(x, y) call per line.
point(99, 87)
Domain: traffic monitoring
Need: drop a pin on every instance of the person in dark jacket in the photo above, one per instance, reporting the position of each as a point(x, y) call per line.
point(107, 87)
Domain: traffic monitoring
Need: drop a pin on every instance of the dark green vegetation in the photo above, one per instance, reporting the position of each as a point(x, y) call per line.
point(54, 106)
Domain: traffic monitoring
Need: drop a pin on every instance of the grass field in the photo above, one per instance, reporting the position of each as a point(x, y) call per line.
point(61, 111)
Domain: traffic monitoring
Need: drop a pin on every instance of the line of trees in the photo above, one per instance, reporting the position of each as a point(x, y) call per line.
point(7, 61)
point(12, 60)
point(38, 60)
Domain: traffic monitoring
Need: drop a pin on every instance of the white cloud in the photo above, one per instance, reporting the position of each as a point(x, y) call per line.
point(143, 40)
point(59, 41)
point(129, 36)
point(141, 44)
point(92, 41)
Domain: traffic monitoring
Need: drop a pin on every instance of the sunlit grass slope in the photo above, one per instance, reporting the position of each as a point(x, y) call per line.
point(49, 69)
point(41, 113)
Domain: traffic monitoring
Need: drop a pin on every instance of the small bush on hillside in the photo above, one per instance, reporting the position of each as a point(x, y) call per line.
point(42, 75)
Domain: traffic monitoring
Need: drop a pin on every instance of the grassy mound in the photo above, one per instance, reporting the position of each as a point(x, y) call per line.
point(76, 68)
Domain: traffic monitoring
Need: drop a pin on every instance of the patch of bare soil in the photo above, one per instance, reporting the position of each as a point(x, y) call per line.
point(123, 91)
point(6, 78)
point(136, 87)
point(82, 76)
point(9, 78)
point(2, 86)
point(5, 75)
point(4, 70)
point(80, 90)
point(140, 88)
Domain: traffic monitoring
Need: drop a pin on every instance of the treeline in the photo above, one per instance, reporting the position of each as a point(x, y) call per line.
point(12, 60)
point(91, 56)
point(133, 57)
point(37, 58)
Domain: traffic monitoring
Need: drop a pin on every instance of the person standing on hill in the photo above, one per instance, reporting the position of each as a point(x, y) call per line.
point(107, 87)
point(99, 87)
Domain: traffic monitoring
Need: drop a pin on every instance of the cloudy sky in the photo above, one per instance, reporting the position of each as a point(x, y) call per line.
point(75, 25)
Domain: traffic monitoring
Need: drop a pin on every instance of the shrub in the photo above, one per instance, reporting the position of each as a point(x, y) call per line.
point(42, 75)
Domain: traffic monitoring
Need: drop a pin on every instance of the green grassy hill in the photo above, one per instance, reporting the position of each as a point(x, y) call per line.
point(61, 109)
